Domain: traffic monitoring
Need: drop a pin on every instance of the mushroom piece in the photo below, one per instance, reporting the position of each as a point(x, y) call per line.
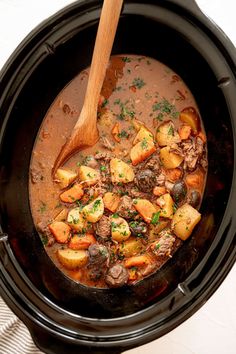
point(117, 276)
point(179, 191)
point(98, 254)
point(145, 180)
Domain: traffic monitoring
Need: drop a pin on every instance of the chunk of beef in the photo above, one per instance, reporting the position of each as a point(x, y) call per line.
point(36, 175)
point(193, 150)
point(106, 143)
point(125, 208)
point(145, 180)
point(138, 228)
point(90, 161)
point(98, 254)
point(117, 276)
point(43, 230)
point(160, 179)
point(153, 164)
point(164, 245)
point(103, 227)
point(106, 156)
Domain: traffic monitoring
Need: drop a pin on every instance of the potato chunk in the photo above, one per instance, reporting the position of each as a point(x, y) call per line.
point(120, 230)
point(142, 150)
point(94, 211)
point(145, 208)
point(184, 221)
point(131, 247)
point(143, 133)
point(76, 219)
point(166, 134)
point(169, 158)
point(65, 177)
point(111, 201)
point(121, 171)
point(89, 175)
point(62, 215)
point(72, 259)
point(166, 204)
point(190, 116)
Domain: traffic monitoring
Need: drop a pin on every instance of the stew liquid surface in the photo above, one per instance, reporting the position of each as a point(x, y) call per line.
point(116, 212)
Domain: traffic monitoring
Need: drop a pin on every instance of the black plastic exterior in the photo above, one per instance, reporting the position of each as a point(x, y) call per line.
point(60, 314)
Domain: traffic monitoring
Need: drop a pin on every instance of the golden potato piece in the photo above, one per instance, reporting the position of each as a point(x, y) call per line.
point(120, 230)
point(89, 175)
point(121, 171)
point(142, 150)
point(94, 211)
point(62, 215)
point(184, 221)
point(155, 229)
point(72, 259)
point(111, 201)
point(65, 177)
point(143, 133)
point(190, 116)
point(166, 204)
point(166, 134)
point(170, 159)
point(76, 219)
point(131, 247)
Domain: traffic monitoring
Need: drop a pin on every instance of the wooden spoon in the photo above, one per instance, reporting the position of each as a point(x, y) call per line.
point(85, 132)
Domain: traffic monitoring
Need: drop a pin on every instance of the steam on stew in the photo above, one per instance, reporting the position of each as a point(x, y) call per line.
point(117, 211)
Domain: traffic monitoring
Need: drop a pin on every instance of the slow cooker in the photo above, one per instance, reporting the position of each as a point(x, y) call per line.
point(63, 315)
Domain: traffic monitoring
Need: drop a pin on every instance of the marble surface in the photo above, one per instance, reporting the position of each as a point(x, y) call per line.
point(213, 328)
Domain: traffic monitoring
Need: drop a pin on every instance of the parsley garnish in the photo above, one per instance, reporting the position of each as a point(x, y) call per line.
point(126, 59)
point(155, 218)
point(138, 83)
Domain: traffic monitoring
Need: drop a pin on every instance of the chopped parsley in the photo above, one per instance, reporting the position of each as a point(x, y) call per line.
point(144, 144)
point(104, 103)
point(138, 83)
point(42, 207)
point(103, 168)
point(165, 108)
point(123, 134)
point(126, 59)
point(155, 218)
point(96, 206)
point(171, 131)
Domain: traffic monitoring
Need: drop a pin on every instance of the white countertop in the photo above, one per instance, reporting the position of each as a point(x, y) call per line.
point(212, 330)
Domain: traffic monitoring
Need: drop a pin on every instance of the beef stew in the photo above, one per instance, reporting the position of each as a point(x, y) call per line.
point(116, 212)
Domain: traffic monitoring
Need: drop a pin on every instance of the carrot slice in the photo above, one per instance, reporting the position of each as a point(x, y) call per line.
point(194, 180)
point(60, 230)
point(137, 261)
point(81, 242)
point(145, 208)
point(116, 131)
point(173, 174)
point(72, 194)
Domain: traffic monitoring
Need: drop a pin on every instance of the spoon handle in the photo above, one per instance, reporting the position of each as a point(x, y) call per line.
point(101, 54)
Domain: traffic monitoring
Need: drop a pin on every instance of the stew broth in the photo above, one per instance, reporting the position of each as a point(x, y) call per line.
point(116, 212)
